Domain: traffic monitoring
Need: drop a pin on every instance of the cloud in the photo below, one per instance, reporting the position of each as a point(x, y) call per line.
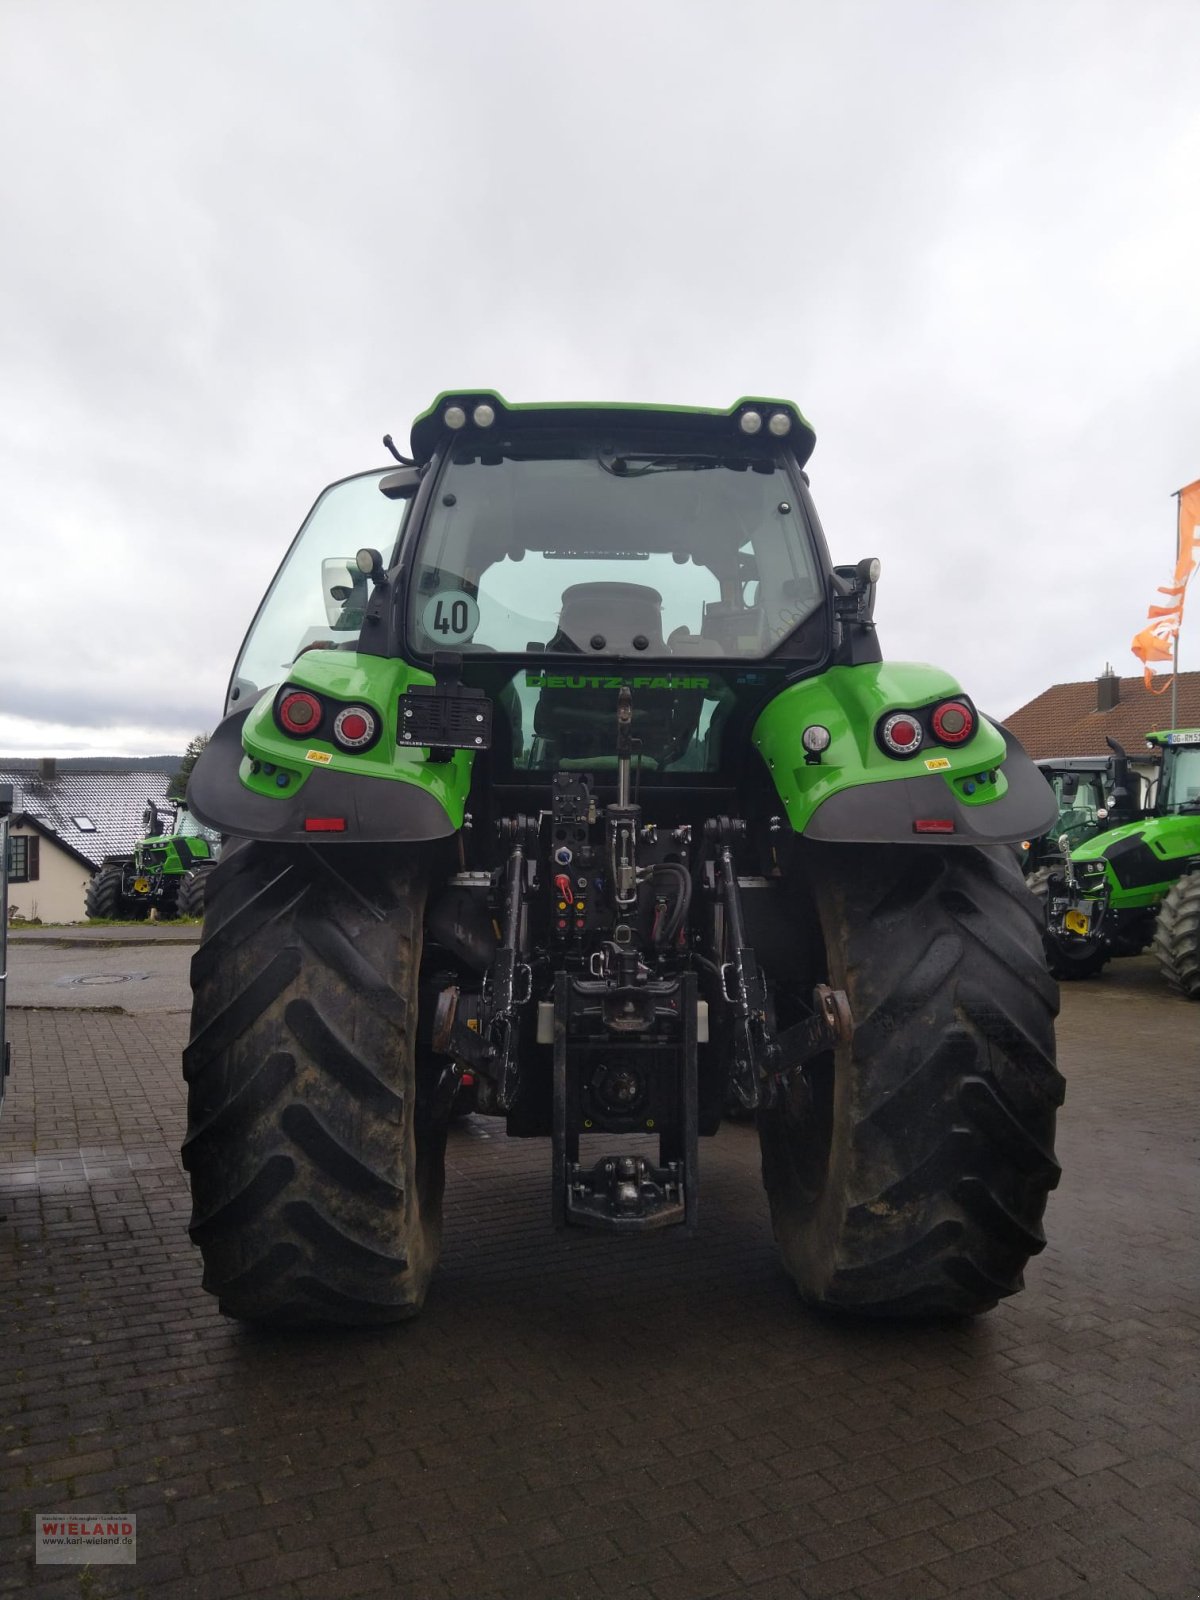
point(243, 242)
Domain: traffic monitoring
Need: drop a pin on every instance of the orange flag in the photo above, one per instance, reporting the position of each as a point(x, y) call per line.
point(1157, 642)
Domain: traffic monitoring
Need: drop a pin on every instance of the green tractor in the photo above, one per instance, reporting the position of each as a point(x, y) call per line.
point(1138, 884)
point(1094, 794)
point(586, 778)
point(167, 871)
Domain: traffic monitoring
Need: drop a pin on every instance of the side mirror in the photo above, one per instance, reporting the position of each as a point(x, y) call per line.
point(344, 591)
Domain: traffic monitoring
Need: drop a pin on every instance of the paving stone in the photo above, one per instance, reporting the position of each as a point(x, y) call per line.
point(571, 1419)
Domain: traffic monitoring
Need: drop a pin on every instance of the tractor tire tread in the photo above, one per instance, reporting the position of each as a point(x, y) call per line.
point(1177, 937)
point(189, 899)
point(102, 899)
point(949, 1092)
point(311, 1200)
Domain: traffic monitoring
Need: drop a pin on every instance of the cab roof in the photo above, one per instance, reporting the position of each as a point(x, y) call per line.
point(431, 426)
point(1073, 763)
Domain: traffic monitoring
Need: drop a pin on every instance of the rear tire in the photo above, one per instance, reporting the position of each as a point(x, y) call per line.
point(102, 898)
point(1177, 937)
point(316, 1176)
point(915, 1184)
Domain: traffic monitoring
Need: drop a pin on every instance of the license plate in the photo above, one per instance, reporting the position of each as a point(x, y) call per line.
point(1076, 922)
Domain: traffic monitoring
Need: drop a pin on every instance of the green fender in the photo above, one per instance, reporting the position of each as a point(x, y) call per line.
point(986, 791)
point(253, 780)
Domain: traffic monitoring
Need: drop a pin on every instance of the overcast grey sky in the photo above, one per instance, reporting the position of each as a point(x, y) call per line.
point(242, 240)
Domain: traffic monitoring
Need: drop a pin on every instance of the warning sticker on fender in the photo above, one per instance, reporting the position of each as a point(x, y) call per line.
point(937, 763)
point(324, 757)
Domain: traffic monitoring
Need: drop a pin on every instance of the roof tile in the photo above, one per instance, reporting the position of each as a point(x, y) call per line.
point(114, 801)
point(1064, 720)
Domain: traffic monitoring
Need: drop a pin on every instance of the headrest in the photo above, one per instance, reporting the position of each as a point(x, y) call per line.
point(617, 612)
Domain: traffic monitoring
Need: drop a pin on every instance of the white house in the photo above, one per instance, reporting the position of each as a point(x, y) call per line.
point(65, 821)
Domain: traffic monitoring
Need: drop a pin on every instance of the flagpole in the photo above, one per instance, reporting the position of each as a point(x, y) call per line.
point(1178, 630)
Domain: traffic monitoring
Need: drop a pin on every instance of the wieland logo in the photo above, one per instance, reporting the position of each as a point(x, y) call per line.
point(90, 1540)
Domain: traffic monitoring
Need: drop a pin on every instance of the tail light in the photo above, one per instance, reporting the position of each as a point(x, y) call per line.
point(953, 722)
point(901, 733)
point(299, 714)
point(354, 727)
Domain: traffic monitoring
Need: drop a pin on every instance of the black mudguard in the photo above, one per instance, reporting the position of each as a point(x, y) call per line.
point(375, 809)
point(887, 813)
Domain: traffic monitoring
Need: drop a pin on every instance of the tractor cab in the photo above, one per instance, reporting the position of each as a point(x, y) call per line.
point(1082, 787)
point(558, 556)
point(1178, 791)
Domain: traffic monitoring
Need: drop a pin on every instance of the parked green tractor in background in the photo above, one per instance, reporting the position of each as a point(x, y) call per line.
point(167, 871)
point(587, 778)
point(1094, 793)
point(1137, 884)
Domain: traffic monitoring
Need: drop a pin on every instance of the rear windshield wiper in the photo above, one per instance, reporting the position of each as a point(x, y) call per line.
point(632, 465)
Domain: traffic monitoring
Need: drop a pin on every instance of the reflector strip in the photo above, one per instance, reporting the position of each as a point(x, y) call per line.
point(933, 825)
point(324, 824)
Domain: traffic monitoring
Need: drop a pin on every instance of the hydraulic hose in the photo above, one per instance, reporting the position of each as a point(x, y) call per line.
point(683, 900)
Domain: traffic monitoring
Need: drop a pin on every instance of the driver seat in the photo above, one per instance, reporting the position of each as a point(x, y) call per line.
point(581, 723)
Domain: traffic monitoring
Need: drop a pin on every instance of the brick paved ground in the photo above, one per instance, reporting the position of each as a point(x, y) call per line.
point(596, 1418)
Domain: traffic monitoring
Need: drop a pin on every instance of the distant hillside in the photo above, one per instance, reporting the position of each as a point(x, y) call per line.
point(95, 763)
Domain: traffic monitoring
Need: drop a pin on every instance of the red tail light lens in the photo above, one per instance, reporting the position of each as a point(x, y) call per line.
point(953, 722)
point(901, 733)
point(299, 714)
point(355, 727)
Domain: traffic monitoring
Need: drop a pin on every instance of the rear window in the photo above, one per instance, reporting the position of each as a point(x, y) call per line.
point(621, 551)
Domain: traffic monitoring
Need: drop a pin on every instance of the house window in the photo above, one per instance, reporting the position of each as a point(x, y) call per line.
point(22, 858)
